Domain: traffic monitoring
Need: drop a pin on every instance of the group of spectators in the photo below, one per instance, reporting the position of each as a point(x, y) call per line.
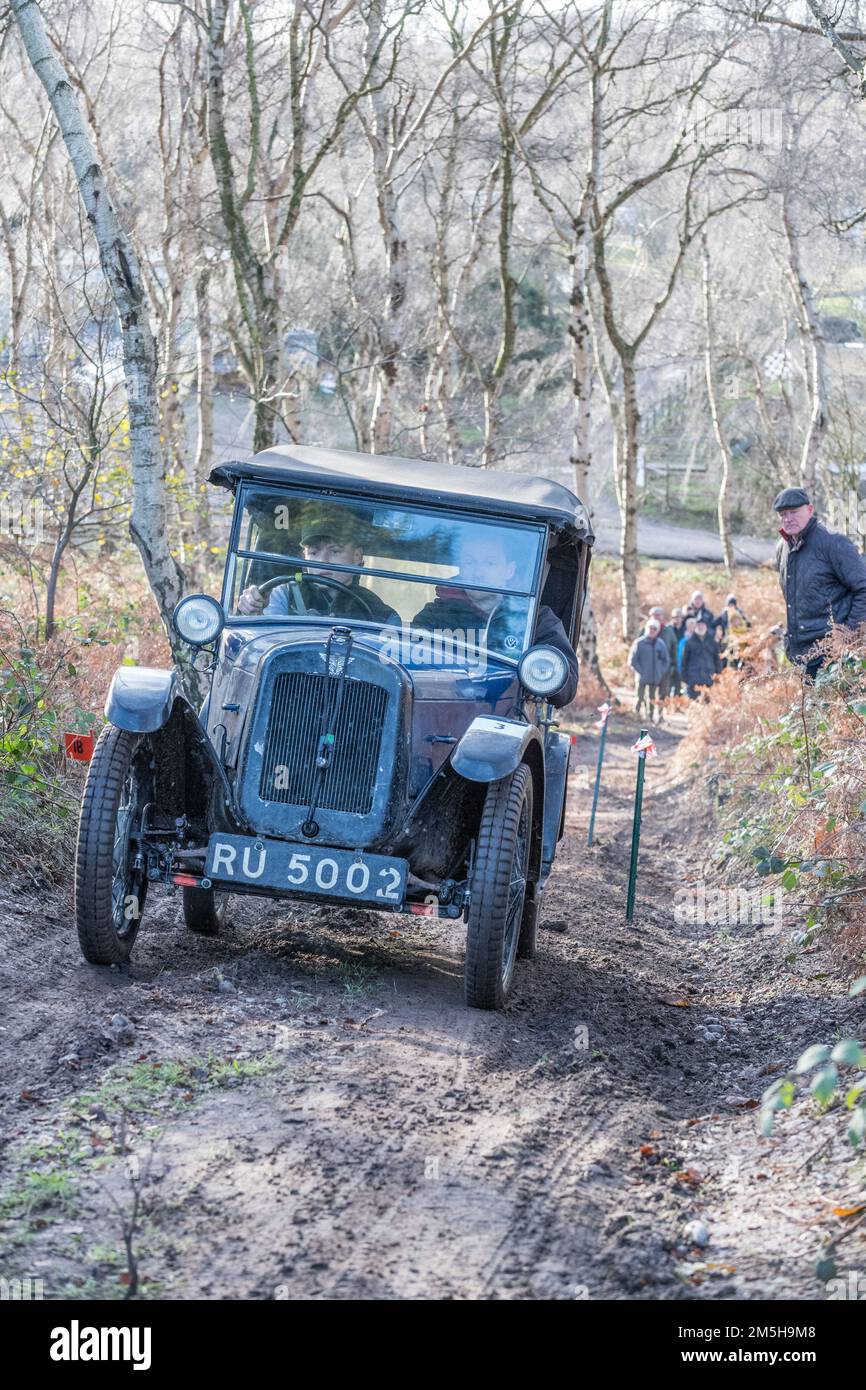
point(822, 576)
point(684, 652)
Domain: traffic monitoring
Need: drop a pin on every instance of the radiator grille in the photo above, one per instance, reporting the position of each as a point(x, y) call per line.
point(291, 743)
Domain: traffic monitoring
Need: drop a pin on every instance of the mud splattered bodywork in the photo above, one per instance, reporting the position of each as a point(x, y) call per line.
point(372, 694)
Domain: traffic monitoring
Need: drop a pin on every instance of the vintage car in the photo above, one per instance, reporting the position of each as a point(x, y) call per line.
point(383, 666)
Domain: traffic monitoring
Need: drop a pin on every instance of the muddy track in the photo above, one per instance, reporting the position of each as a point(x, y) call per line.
point(381, 1141)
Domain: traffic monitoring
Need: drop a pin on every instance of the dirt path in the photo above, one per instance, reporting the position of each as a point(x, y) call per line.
point(317, 1114)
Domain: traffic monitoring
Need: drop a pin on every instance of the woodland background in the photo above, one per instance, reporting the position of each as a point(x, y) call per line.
point(617, 243)
point(620, 244)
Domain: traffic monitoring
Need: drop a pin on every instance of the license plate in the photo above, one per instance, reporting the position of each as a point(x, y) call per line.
point(329, 873)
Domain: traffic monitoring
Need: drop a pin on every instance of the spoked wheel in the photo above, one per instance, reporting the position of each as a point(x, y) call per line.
point(498, 890)
point(204, 910)
point(110, 871)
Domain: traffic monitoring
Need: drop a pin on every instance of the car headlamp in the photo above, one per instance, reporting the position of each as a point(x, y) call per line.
point(542, 670)
point(198, 619)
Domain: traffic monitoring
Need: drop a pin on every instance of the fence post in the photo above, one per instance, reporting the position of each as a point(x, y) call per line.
point(604, 711)
point(643, 746)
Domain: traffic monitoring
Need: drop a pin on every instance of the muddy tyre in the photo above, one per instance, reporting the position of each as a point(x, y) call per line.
point(498, 890)
point(204, 911)
point(110, 886)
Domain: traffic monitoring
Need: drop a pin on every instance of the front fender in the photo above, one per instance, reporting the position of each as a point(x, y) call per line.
point(141, 698)
point(190, 779)
point(492, 748)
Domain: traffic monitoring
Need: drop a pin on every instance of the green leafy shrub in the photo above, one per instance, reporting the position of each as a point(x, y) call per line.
point(40, 795)
point(833, 1076)
point(792, 765)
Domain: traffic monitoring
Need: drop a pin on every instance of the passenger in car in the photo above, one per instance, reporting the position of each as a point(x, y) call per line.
point(485, 560)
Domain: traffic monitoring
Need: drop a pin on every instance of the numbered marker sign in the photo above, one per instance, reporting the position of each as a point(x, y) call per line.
point(79, 747)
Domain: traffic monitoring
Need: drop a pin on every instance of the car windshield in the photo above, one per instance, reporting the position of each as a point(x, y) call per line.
point(423, 576)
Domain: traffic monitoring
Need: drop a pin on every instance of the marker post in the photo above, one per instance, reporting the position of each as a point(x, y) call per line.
point(643, 746)
point(604, 711)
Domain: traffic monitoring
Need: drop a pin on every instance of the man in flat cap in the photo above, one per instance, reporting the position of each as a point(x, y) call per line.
point(822, 575)
point(327, 538)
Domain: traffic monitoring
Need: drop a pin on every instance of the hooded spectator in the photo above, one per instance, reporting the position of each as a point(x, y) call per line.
point(732, 614)
point(736, 625)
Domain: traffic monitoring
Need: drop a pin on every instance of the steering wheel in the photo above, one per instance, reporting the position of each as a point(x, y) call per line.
point(296, 586)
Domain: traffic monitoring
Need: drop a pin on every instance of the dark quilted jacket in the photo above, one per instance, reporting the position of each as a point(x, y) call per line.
point(823, 581)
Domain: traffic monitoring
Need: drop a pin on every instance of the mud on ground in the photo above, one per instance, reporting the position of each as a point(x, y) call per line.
point(311, 1112)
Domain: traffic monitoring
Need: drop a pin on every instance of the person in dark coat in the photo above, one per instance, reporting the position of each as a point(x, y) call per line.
point(698, 610)
point(484, 560)
point(669, 635)
point(677, 626)
point(686, 631)
point(650, 661)
point(700, 661)
point(822, 576)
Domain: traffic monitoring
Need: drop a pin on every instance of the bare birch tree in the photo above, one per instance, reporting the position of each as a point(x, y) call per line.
point(122, 271)
point(715, 415)
point(841, 42)
point(284, 155)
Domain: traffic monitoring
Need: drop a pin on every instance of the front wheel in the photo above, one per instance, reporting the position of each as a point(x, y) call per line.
point(204, 911)
point(498, 890)
point(110, 869)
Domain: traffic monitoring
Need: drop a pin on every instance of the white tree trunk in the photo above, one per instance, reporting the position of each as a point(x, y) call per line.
point(587, 646)
point(712, 395)
point(391, 332)
point(814, 352)
point(627, 461)
point(380, 131)
point(122, 271)
point(205, 382)
point(580, 333)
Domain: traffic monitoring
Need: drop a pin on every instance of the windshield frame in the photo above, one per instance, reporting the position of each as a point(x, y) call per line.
point(236, 552)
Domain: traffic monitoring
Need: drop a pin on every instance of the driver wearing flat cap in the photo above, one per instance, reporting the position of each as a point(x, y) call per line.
point(822, 575)
point(325, 539)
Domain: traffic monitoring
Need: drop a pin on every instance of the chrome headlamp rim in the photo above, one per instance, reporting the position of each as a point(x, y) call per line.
point(198, 639)
point(560, 670)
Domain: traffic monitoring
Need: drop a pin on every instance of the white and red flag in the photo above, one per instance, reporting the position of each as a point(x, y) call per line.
point(604, 711)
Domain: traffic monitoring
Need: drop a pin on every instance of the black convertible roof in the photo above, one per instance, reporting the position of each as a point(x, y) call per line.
point(481, 489)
